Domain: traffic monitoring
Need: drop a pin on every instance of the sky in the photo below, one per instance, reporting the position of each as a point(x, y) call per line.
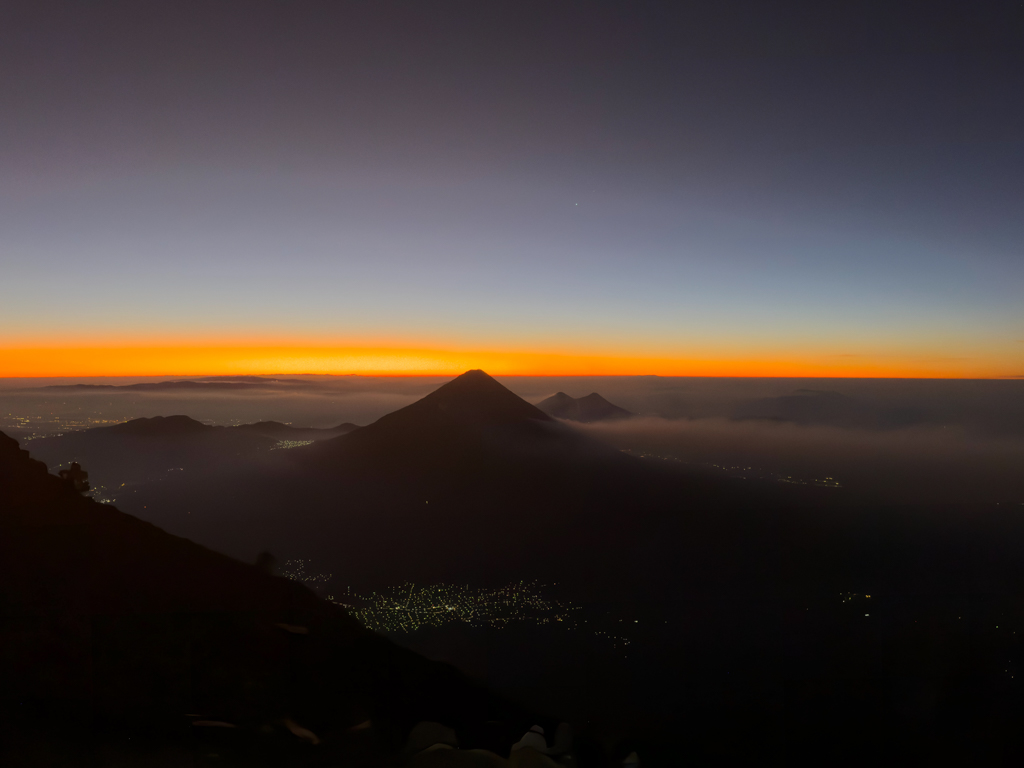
point(722, 189)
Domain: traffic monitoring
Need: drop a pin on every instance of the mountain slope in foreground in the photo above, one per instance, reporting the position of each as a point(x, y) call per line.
point(111, 626)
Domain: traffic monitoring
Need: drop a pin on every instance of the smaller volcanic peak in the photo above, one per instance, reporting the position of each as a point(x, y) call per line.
point(558, 404)
point(158, 426)
point(593, 407)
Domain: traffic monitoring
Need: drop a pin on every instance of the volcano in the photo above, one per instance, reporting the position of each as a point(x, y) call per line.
point(593, 407)
point(470, 423)
point(473, 399)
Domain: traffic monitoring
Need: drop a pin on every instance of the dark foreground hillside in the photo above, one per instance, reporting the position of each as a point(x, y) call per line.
point(123, 645)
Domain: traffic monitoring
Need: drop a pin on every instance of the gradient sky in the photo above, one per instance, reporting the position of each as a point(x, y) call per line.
point(722, 188)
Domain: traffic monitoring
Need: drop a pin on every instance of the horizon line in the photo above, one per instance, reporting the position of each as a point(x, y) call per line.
point(185, 361)
point(428, 375)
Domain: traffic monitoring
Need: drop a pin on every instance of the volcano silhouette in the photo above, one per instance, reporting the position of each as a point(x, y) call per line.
point(473, 399)
point(470, 425)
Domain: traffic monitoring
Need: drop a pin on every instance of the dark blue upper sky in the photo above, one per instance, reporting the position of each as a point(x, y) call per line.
point(762, 180)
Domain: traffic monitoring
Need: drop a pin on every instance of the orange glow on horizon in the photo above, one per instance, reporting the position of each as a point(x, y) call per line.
point(96, 361)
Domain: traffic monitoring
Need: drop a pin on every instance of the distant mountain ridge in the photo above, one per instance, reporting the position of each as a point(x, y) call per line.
point(146, 449)
point(587, 409)
point(189, 385)
point(157, 426)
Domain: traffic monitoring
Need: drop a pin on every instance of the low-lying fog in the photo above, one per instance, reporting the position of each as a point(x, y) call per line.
point(911, 464)
point(904, 440)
